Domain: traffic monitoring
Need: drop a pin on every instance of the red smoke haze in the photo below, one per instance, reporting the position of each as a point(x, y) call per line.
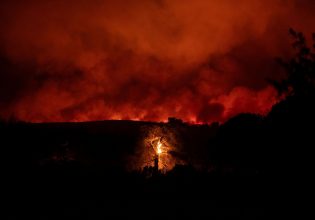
point(201, 61)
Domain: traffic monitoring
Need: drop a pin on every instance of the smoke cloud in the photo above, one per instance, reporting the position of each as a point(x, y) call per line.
point(201, 61)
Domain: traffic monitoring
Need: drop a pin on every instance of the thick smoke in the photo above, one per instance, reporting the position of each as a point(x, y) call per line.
point(201, 61)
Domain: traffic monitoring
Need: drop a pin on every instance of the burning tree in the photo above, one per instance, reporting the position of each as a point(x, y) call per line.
point(160, 149)
point(155, 148)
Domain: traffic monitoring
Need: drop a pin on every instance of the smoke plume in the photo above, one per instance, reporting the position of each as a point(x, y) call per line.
point(201, 61)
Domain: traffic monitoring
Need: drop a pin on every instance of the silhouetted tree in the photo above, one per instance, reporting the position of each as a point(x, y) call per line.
point(300, 70)
point(288, 134)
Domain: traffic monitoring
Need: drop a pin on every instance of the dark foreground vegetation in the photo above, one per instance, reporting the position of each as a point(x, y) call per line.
point(246, 168)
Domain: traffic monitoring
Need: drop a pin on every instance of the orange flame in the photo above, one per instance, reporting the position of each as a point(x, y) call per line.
point(159, 147)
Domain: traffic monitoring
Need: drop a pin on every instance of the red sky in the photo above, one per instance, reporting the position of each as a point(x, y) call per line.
point(201, 61)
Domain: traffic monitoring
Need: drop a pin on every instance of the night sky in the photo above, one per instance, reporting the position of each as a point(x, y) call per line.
point(201, 61)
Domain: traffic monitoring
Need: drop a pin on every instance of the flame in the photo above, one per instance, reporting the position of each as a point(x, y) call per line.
point(156, 144)
point(159, 147)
